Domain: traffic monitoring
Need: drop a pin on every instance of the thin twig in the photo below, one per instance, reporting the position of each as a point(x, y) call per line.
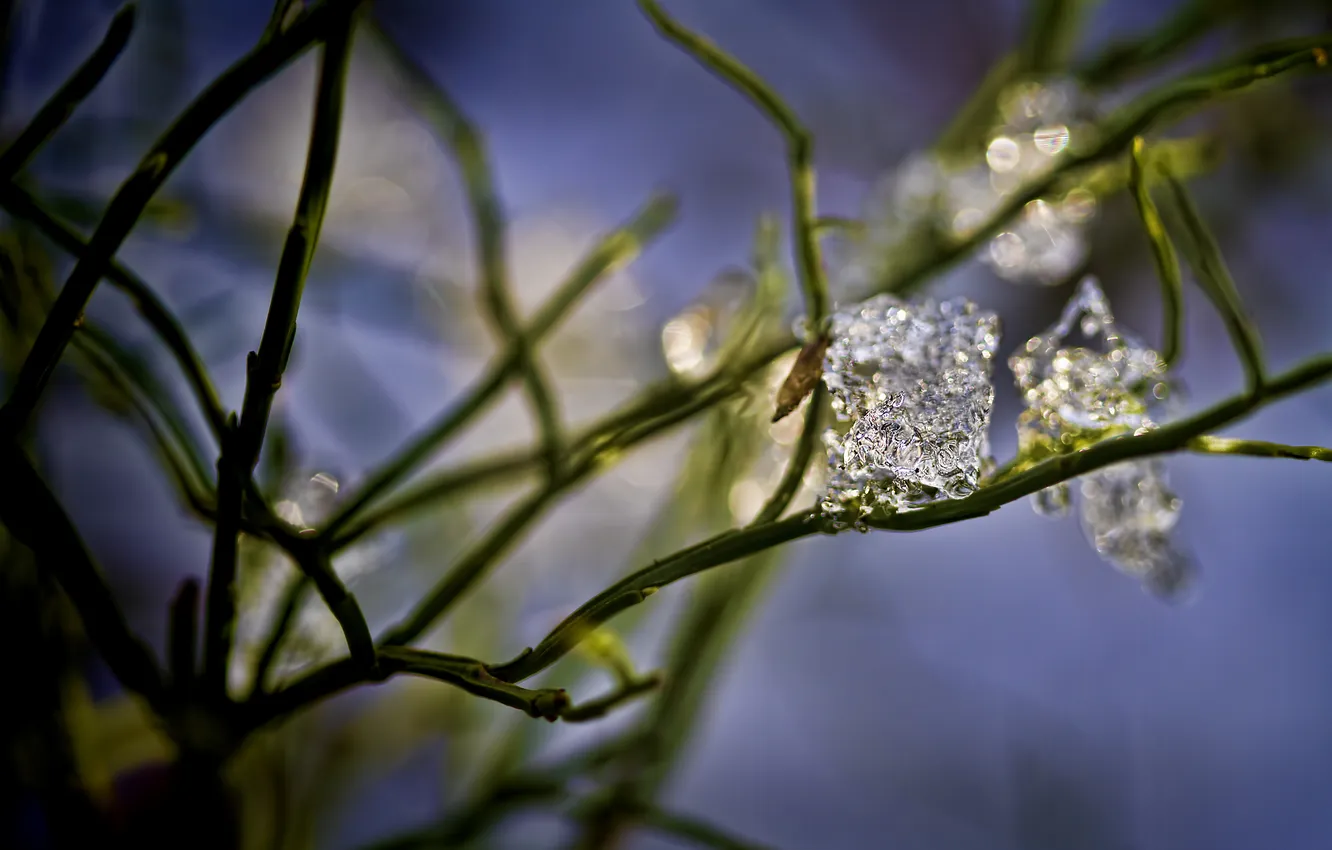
point(34, 516)
point(154, 311)
point(135, 193)
point(799, 149)
point(1115, 134)
point(1209, 270)
point(443, 114)
point(732, 545)
point(1256, 448)
point(614, 249)
point(1163, 255)
point(56, 111)
point(264, 369)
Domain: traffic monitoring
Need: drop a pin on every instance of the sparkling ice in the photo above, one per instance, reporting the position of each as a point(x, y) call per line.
point(913, 380)
point(1075, 395)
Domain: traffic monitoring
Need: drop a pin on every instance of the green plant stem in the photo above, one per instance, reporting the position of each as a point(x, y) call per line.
point(612, 251)
point(1190, 22)
point(264, 369)
point(449, 122)
point(1051, 35)
point(1114, 136)
point(735, 544)
point(653, 402)
point(1256, 448)
point(598, 708)
point(467, 673)
point(1209, 270)
point(1163, 255)
point(152, 309)
point(799, 149)
point(474, 564)
point(33, 515)
point(186, 473)
point(963, 136)
point(56, 111)
point(135, 193)
point(287, 611)
point(794, 476)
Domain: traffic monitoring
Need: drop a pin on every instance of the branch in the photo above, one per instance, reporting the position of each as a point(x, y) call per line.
point(1190, 22)
point(733, 545)
point(56, 111)
point(466, 673)
point(469, 151)
point(264, 370)
point(1209, 269)
point(34, 516)
point(1163, 255)
point(1050, 35)
point(612, 251)
point(1117, 132)
point(799, 149)
point(152, 309)
point(1256, 448)
point(135, 193)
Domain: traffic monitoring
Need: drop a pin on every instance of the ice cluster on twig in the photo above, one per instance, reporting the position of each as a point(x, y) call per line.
point(1077, 394)
point(913, 381)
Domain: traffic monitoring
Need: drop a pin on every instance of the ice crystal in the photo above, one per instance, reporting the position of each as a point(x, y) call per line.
point(913, 380)
point(1075, 395)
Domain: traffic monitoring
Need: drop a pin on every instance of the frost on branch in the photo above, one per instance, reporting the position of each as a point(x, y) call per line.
point(1075, 395)
point(913, 381)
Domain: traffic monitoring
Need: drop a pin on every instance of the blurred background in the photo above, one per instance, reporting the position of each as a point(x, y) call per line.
point(989, 685)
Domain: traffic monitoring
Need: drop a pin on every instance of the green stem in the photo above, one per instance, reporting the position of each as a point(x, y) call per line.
point(799, 149)
point(1114, 136)
point(740, 543)
point(1190, 22)
point(135, 193)
point(264, 370)
point(56, 111)
point(1256, 448)
point(1051, 35)
point(154, 311)
point(794, 476)
point(34, 516)
point(1163, 255)
point(1209, 270)
point(612, 251)
point(442, 113)
point(735, 544)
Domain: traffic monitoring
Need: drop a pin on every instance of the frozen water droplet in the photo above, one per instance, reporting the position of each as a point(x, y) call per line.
point(1077, 394)
point(914, 382)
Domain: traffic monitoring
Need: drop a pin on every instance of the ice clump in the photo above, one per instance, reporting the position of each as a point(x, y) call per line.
point(1075, 395)
point(913, 380)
